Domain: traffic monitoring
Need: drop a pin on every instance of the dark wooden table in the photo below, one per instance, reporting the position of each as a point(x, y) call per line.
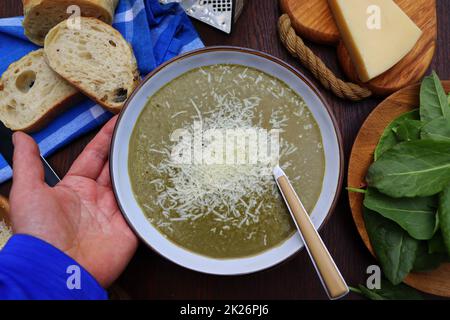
point(150, 276)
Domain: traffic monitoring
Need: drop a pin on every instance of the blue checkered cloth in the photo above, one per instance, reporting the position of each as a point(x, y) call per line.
point(156, 32)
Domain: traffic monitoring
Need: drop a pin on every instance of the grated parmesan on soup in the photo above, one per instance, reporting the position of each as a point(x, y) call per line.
point(222, 208)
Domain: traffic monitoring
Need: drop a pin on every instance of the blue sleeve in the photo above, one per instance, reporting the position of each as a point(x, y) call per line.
point(31, 268)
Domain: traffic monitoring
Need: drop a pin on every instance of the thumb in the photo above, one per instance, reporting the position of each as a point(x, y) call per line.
point(28, 171)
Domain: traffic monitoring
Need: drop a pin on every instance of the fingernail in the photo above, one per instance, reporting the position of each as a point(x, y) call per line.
point(14, 138)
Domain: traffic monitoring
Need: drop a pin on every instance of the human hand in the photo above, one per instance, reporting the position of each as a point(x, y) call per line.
point(79, 215)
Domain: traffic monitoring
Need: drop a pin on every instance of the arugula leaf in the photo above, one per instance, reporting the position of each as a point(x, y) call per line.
point(437, 129)
point(394, 248)
point(426, 261)
point(388, 138)
point(388, 291)
point(412, 169)
point(433, 99)
point(416, 216)
point(444, 216)
point(408, 130)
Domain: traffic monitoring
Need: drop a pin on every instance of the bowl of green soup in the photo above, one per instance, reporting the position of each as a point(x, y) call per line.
point(193, 151)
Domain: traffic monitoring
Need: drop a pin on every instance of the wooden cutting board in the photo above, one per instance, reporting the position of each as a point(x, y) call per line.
point(438, 281)
point(312, 20)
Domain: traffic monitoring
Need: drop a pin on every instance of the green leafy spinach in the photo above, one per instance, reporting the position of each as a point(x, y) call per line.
point(426, 261)
point(389, 138)
point(444, 216)
point(412, 169)
point(408, 130)
point(394, 248)
point(437, 129)
point(433, 99)
point(417, 215)
point(407, 202)
point(388, 291)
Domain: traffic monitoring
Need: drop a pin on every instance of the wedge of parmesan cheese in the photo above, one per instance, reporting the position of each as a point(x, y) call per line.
point(376, 33)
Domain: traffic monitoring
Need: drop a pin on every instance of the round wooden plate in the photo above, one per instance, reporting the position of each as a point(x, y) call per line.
point(438, 281)
point(313, 20)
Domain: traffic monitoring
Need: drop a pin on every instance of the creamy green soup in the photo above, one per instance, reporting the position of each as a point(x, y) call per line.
point(200, 169)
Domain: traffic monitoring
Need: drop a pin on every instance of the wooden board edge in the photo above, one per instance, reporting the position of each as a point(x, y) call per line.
point(309, 34)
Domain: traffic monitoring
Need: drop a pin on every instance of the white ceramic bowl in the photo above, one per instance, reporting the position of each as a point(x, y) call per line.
point(176, 67)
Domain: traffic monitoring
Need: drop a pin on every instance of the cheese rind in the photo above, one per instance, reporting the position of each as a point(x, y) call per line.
point(374, 50)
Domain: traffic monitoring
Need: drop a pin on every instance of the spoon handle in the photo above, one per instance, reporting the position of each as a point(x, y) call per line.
point(327, 270)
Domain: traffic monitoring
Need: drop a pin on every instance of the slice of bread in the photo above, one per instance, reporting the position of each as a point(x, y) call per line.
point(94, 58)
point(31, 93)
point(4, 209)
point(42, 15)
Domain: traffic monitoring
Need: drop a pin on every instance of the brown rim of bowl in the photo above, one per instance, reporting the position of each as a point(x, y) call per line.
point(256, 53)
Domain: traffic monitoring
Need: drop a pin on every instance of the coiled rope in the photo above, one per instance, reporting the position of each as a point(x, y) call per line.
point(296, 47)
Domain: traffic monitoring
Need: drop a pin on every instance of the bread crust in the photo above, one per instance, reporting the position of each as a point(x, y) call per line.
point(76, 82)
point(53, 111)
point(112, 109)
point(4, 209)
point(101, 9)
